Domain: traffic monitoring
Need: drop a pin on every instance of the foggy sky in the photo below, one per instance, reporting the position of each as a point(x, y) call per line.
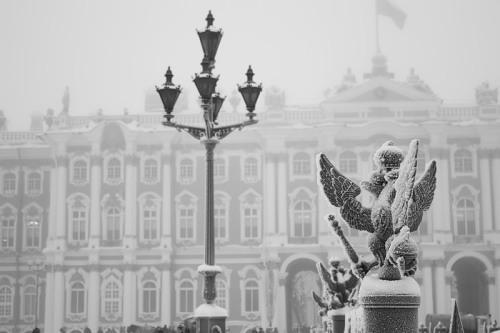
point(110, 52)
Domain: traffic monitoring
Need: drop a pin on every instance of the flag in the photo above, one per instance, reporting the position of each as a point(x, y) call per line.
point(387, 8)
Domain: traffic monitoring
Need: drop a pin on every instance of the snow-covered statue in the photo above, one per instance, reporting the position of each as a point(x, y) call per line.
point(348, 81)
point(485, 95)
point(417, 83)
point(398, 206)
point(339, 285)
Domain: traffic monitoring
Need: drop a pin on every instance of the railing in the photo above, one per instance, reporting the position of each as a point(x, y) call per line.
point(18, 137)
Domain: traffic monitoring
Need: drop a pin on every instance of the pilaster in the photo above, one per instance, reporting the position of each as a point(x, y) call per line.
point(49, 302)
point(440, 287)
point(282, 196)
point(129, 289)
point(428, 302)
point(95, 196)
point(166, 221)
point(270, 195)
point(57, 303)
point(441, 216)
point(93, 298)
point(62, 181)
point(166, 293)
point(496, 189)
point(129, 240)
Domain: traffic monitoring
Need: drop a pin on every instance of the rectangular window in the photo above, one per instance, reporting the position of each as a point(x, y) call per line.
point(186, 223)
point(79, 221)
point(150, 224)
point(220, 222)
point(251, 221)
point(33, 234)
point(7, 232)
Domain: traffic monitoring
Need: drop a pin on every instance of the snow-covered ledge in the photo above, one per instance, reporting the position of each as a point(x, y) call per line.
point(209, 269)
point(210, 311)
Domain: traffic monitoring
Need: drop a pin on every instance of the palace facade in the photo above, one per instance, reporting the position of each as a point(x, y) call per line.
point(114, 206)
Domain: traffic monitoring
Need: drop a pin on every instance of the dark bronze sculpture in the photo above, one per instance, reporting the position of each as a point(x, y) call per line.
point(398, 207)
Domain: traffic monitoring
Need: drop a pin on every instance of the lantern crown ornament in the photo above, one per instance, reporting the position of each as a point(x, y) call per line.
point(210, 38)
point(250, 92)
point(169, 94)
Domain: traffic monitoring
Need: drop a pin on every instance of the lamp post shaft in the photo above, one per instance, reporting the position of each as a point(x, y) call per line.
point(209, 292)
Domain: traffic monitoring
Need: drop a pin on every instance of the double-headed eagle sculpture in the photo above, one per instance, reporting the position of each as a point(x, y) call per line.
point(397, 209)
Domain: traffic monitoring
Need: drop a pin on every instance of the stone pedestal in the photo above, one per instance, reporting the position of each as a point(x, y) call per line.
point(210, 318)
point(336, 321)
point(389, 306)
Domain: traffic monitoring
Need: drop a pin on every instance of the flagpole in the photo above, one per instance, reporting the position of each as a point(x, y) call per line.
point(377, 42)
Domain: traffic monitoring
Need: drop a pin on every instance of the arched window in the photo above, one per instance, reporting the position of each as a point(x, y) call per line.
point(150, 214)
point(466, 221)
point(7, 231)
point(251, 168)
point(302, 219)
point(186, 296)
point(221, 299)
point(77, 298)
point(114, 169)
point(80, 172)
point(9, 184)
point(301, 164)
point(112, 299)
point(34, 183)
point(251, 294)
point(29, 300)
point(113, 224)
point(5, 302)
point(186, 169)
point(150, 170)
point(79, 222)
point(348, 162)
point(463, 161)
point(149, 298)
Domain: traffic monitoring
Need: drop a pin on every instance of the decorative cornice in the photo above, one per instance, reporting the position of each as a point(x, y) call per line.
point(62, 160)
point(166, 159)
point(96, 159)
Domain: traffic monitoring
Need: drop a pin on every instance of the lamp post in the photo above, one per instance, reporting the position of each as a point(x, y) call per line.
point(37, 266)
point(209, 317)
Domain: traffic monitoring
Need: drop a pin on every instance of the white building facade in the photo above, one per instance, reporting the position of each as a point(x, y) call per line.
point(114, 206)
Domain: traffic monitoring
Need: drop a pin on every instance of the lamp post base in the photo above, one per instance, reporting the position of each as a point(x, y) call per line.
point(210, 318)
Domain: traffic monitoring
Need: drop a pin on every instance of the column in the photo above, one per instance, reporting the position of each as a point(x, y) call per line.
point(484, 176)
point(282, 196)
point(62, 180)
point(496, 294)
point(166, 224)
point(57, 303)
point(496, 187)
point(492, 300)
point(280, 314)
point(428, 292)
point(166, 295)
point(442, 304)
point(270, 195)
point(440, 208)
point(130, 200)
point(129, 291)
point(95, 200)
point(93, 298)
point(49, 302)
point(52, 220)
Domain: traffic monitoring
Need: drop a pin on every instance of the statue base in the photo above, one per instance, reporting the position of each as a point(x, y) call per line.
point(389, 306)
point(335, 320)
point(210, 318)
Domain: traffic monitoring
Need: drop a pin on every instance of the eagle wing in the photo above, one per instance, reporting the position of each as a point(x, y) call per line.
point(404, 188)
point(342, 192)
point(423, 194)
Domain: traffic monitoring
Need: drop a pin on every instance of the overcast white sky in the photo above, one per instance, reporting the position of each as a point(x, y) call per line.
point(110, 52)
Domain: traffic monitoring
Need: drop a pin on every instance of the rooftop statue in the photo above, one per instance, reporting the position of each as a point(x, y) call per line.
point(348, 81)
point(398, 206)
point(486, 95)
point(415, 81)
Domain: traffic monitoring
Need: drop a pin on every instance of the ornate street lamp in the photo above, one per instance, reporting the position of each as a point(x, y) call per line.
point(209, 317)
point(37, 266)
